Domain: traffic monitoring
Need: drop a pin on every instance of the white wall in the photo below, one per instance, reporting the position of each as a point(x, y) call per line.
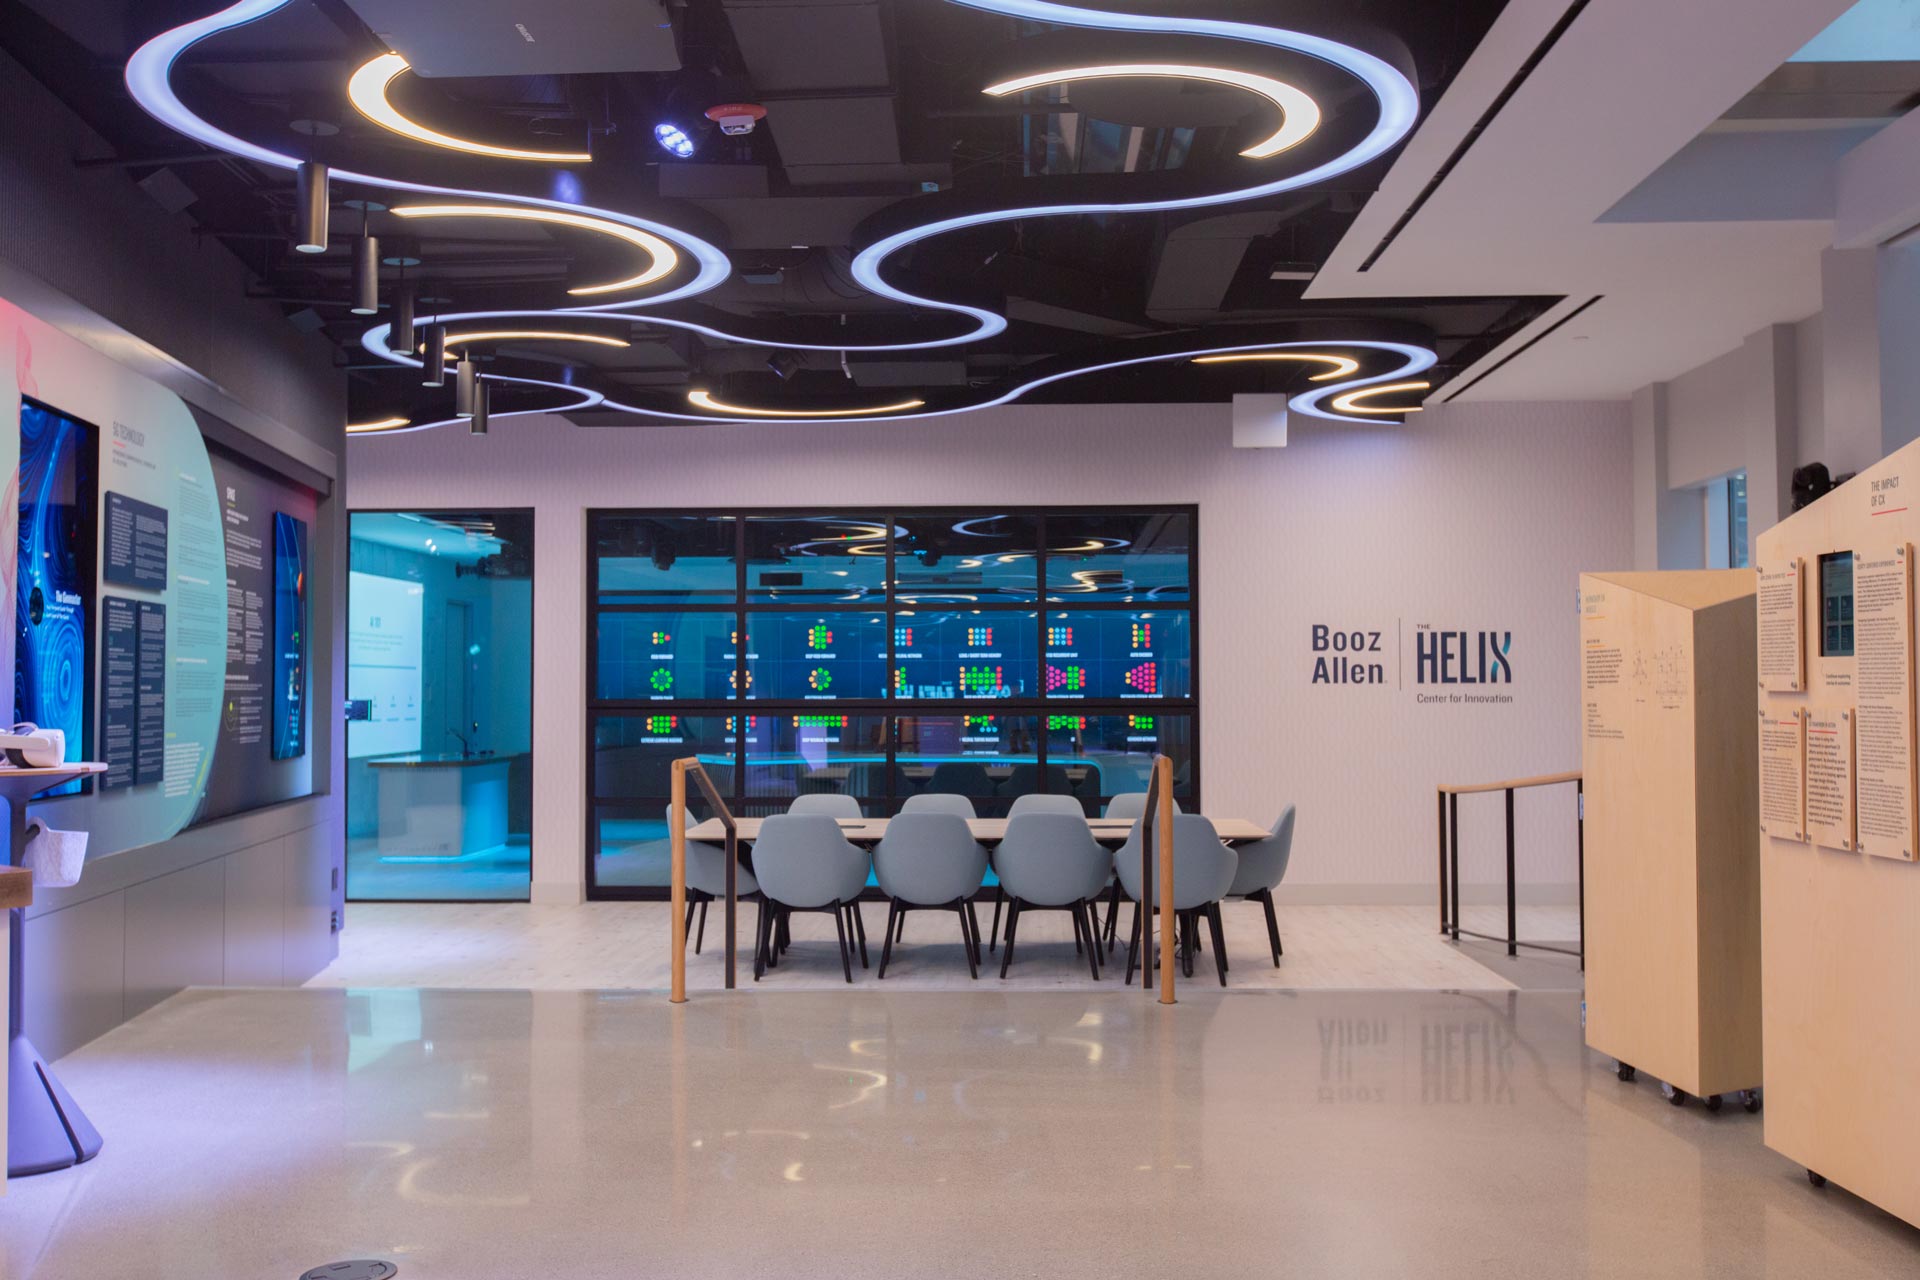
point(1476, 517)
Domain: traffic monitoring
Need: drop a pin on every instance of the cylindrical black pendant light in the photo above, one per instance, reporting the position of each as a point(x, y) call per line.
point(400, 332)
point(310, 208)
point(468, 375)
point(366, 275)
point(482, 401)
point(433, 364)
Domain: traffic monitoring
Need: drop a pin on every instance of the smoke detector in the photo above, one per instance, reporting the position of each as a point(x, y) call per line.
point(736, 118)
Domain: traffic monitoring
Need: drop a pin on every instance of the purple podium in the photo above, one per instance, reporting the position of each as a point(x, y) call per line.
point(46, 1130)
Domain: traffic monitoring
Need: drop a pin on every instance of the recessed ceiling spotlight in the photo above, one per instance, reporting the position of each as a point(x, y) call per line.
point(1350, 402)
point(706, 401)
point(1299, 113)
point(367, 90)
point(1341, 365)
point(674, 139)
point(665, 259)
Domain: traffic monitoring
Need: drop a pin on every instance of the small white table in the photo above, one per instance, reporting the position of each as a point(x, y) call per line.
point(46, 1129)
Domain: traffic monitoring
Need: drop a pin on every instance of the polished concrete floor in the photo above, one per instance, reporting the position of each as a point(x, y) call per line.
point(624, 944)
point(512, 1135)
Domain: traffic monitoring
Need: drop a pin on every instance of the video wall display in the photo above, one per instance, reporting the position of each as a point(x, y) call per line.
point(53, 589)
point(879, 655)
point(161, 596)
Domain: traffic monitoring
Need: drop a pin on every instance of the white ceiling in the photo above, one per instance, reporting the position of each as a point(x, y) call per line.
point(1626, 88)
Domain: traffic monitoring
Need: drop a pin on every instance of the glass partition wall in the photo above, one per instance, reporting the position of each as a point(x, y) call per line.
point(440, 706)
point(878, 655)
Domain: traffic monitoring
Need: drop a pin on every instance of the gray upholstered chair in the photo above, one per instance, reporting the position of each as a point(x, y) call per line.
point(834, 804)
point(1051, 862)
point(1130, 805)
point(1035, 802)
point(930, 860)
point(803, 863)
point(1032, 802)
point(1202, 873)
point(707, 878)
point(939, 802)
point(1263, 864)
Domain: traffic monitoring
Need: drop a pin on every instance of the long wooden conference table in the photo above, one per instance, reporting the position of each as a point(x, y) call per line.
point(869, 831)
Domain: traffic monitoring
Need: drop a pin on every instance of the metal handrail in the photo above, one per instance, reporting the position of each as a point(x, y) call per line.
point(1157, 817)
point(677, 820)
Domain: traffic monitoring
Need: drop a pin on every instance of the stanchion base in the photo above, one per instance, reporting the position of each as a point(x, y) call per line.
point(46, 1130)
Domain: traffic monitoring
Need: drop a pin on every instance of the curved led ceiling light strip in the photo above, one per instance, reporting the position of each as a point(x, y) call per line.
point(367, 90)
point(527, 335)
point(584, 399)
point(706, 401)
point(1398, 102)
point(382, 424)
point(1342, 365)
point(662, 258)
point(1417, 360)
point(149, 80)
point(1350, 402)
point(1299, 113)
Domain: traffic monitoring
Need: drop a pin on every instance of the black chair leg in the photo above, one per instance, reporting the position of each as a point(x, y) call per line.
point(993, 934)
point(900, 929)
point(1219, 932)
point(967, 942)
point(1133, 947)
point(1013, 922)
point(777, 930)
point(1273, 926)
point(973, 927)
point(846, 958)
point(687, 927)
point(1113, 912)
point(762, 912)
point(859, 920)
point(886, 946)
point(1082, 929)
point(1189, 934)
point(701, 936)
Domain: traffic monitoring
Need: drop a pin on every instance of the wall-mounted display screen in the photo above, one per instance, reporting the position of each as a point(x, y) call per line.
point(966, 654)
point(1836, 605)
point(289, 636)
point(816, 657)
point(384, 624)
point(250, 770)
point(1130, 655)
point(53, 609)
point(990, 653)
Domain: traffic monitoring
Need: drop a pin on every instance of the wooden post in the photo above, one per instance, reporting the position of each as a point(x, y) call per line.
point(677, 835)
point(1163, 781)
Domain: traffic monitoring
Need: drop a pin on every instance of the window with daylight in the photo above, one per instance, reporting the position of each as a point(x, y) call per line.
point(880, 654)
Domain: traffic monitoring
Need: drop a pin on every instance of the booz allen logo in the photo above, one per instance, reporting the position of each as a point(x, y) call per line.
point(1463, 657)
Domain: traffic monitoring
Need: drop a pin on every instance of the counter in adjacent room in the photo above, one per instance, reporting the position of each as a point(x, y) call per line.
point(442, 806)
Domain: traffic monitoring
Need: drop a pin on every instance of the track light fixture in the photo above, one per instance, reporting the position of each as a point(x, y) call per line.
point(310, 208)
point(401, 330)
point(366, 273)
point(466, 377)
point(433, 362)
point(482, 399)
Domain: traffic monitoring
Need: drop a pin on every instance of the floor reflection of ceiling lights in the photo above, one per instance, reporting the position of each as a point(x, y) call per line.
point(706, 401)
point(367, 90)
point(662, 255)
point(1299, 113)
